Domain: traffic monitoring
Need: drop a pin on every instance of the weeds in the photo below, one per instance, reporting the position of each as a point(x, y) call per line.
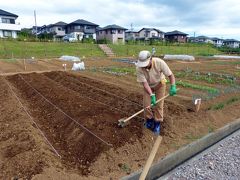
point(221, 105)
point(124, 167)
point(212, 78)
point(193, 137)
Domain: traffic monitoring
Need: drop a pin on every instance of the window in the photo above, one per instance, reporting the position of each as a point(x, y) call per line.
point(8, 21)
point(88, 27)
point(7, 33)
point(59, 29)
point(5, 20)
point(77, 27)
point(113, 31)
point(119, 31)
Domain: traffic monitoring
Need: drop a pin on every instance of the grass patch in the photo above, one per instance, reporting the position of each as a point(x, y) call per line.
point(218, 106)
point(210, 129)
point(237, 74)
point(221, 105)
point(133, 50)
point(211, 78)
point(22, 49)
point(193, 137)
point(115, 70)
point(125, 168)
point(9, 60)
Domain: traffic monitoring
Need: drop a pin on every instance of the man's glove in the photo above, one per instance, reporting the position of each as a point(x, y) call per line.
point(153, 99)
point(173, 90)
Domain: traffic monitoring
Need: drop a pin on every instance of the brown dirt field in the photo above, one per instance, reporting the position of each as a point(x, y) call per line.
point(94, 101)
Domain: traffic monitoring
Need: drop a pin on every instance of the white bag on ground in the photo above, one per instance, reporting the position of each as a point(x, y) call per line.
point(78, 66)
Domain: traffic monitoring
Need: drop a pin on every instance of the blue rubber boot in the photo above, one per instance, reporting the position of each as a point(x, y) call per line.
point(149, 123)
point(157, 127)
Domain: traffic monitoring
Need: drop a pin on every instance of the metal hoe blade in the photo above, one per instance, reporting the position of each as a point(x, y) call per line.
point(122, 123)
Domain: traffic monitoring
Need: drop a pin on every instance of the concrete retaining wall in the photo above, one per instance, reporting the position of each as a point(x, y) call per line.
point(183, 154)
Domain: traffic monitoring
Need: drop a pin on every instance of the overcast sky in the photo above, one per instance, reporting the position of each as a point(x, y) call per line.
point(214, 18)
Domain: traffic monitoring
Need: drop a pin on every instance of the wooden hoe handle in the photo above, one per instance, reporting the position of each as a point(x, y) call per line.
point(127, 119)
point(150, 158)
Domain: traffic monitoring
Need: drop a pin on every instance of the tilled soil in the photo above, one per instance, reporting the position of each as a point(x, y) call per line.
point(78, 147)
point(66, 105)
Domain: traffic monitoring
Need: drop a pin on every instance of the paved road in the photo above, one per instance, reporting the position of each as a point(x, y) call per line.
point(221, 161)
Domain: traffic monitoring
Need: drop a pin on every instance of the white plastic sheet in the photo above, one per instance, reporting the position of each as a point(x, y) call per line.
point(70, 58)
point(226, 57)
point(78, 66)
point(179, 57)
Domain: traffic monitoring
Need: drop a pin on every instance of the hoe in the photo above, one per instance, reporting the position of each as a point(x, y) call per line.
point(124, 121)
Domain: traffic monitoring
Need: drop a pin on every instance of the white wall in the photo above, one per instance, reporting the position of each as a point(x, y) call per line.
point(14, 34)
point(113, 38)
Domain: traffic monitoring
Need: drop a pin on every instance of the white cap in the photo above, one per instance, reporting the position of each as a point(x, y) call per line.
point(143, 58)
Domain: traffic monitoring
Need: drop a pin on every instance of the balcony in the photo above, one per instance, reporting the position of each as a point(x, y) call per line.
point(89, 31)
point(10, 27)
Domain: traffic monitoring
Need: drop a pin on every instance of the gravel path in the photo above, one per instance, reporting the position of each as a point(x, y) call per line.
point(221, 161)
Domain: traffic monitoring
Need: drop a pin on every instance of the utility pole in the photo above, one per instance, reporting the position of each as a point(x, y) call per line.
point(35, 18)
point(131, 31)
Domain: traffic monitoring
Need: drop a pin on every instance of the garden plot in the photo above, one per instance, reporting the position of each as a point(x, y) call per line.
point(86, 124)
point(79, 112)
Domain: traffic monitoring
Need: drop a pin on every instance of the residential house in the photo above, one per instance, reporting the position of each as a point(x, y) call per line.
point(44, 29)
point(58, 29)
point(131, 35)
point(217, 42)
point(82, 29)
point(232, 43)
point(114, 33)
point(201, 39)
point(150, 33)
point(8, 26)
point(176, 36)
point(35, 29)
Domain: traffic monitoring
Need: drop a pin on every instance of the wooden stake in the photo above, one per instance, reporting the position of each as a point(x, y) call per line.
point(150, 158)
point(25, 68)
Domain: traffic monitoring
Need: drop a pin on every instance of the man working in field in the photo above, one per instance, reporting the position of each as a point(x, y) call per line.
point(151, 72)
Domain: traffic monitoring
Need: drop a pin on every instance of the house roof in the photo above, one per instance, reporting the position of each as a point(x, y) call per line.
point(5, 13)
point(60, 23)
point(83, 22)
point(129, 31)
point(113, 26)
point(202, 37)
point(231, 40)
point(150, 29)
point(176, 33)
point(215, 39)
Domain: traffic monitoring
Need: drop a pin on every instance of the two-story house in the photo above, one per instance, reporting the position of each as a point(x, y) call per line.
point(232, 43)
point(58, 29)
point(150, 33)
point(217, 42)
point(176, 36)
point(81, 29)
point(8, 26)
point(201, 39)
point(114, 33)
point(131, 35)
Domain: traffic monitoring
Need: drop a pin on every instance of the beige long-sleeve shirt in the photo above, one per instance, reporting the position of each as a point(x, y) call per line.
point(155, 74)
